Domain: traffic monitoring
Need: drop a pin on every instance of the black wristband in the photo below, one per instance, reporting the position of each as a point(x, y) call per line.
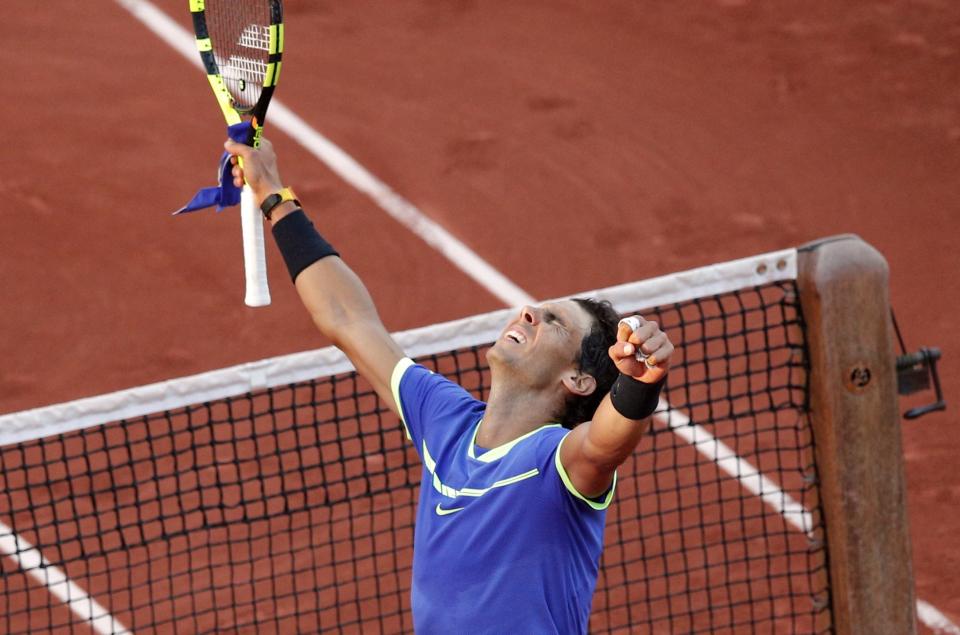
point(635, 399)
point(300, 243)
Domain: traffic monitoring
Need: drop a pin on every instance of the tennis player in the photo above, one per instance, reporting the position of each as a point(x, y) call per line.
point(514, 494)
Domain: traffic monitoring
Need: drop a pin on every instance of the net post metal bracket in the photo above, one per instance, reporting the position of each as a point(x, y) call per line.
point(855, 416)
point(916, 372)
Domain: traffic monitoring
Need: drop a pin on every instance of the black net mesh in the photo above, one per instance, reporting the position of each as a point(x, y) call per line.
point(292, 509)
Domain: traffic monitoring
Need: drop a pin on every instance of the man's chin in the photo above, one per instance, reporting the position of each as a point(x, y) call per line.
point(497, 356)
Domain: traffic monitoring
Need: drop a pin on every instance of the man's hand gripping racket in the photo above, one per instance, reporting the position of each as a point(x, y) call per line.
point(255, 169)
point(642, 350)
point(241, 45)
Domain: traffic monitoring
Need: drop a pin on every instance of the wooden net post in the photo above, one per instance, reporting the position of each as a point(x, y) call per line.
point(856, 423)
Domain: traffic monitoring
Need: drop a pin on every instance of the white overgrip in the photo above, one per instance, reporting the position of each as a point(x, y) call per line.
point(254, 254)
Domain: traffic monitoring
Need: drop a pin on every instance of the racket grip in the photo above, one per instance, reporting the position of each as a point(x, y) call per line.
point(254, 254)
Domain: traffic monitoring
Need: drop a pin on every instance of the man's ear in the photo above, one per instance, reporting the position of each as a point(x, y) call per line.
point(579, 383)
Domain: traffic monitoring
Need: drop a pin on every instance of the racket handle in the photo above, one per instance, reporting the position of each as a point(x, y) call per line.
point(254, 255)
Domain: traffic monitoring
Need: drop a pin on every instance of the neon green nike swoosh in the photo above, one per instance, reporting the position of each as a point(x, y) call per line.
point(445, 512)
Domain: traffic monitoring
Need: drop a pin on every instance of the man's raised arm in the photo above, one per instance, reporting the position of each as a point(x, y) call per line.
point(337, 300)
point(592, 451)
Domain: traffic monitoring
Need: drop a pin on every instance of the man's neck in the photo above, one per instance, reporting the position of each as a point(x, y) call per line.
point(513, 411)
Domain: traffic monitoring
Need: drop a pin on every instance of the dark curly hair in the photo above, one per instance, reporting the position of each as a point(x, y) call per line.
point(593, 360)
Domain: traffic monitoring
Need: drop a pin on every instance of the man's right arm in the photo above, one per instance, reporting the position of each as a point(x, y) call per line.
point(338, 302)
point(342, 309)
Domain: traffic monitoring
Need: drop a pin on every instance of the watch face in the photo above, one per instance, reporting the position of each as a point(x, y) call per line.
point(269, 203)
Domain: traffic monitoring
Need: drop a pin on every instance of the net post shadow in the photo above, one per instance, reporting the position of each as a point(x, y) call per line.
point(854, 412)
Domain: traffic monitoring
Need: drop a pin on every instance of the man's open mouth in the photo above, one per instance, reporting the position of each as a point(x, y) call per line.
point(515, 336)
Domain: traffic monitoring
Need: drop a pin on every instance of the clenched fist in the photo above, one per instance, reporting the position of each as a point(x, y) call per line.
point(642, 350)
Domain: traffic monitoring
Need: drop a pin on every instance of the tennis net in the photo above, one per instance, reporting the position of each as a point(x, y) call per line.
point(279, 496)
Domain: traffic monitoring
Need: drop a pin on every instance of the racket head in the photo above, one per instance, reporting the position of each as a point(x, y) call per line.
point(241, 45)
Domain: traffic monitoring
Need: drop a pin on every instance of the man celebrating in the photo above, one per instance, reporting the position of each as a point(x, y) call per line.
point(514, 493)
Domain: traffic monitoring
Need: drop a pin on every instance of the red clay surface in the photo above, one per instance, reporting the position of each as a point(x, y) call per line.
point(571, 145)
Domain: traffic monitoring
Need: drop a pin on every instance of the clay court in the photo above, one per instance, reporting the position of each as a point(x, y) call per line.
point(573, 146)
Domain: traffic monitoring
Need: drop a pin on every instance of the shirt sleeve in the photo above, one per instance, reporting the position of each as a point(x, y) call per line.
point(426, 399)
point(556, 471)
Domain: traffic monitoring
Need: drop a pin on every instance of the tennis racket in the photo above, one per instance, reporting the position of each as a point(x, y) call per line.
point(241, 45)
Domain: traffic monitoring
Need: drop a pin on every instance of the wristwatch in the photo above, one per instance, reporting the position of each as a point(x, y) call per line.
point(270, 203)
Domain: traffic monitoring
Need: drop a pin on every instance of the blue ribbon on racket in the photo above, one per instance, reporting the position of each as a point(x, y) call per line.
point(225, 194)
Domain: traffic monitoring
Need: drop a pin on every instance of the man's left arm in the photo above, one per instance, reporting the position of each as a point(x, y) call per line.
point(591, 452)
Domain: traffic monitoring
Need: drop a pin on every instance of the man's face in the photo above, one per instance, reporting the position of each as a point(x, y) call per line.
point(542, 342)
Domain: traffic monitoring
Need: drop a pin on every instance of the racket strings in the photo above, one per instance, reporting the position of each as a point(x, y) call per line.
point(255, 36)
point(240, 38)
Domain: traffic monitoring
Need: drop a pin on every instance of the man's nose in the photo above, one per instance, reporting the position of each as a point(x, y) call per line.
point(530, 314)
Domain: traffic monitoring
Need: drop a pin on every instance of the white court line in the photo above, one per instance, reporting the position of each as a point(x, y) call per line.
point(935, 620)
point(478, 269)
point(344, 166)
point(32, 562)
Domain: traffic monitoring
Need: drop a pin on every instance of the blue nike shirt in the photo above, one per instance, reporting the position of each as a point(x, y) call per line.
point(503, 541)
